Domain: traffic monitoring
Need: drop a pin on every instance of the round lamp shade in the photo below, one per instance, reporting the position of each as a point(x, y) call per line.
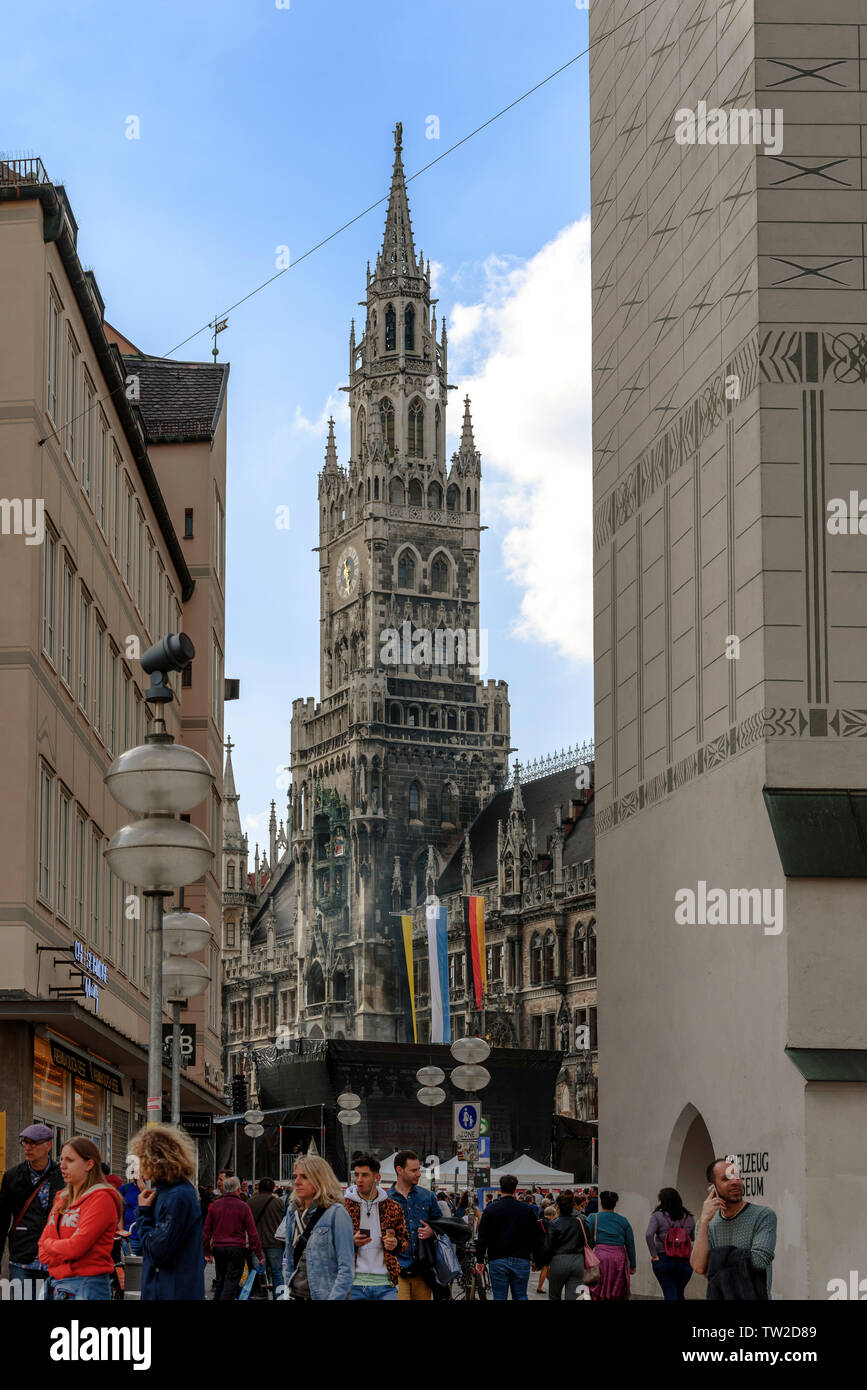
point(183, 979)
point(254, 1131)
point(430, 1076)
point(470, 1050)
point(431, 1095)
point(157, 777)
point(159, 853)
point(185, 933)
point(348, 1100)
point(253, 1117)
point(470, 1078)
point(349, 1117)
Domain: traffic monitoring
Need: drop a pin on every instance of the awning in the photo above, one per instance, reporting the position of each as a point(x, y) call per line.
point(93, 1034)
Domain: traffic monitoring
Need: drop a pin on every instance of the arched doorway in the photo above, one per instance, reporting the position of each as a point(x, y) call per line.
point(690, 1150)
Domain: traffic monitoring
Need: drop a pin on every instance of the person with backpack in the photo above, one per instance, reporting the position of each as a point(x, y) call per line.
point(670, 1233)
point(266, 1208)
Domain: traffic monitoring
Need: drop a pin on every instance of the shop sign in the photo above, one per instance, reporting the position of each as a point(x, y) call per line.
point(86, 1068)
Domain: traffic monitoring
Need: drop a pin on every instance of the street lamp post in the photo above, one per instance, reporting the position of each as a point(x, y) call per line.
point(470, 1076)
point(157, 781)
point(184, 933)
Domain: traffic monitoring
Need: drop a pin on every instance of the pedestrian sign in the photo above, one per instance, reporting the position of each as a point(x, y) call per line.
point(466, 1121)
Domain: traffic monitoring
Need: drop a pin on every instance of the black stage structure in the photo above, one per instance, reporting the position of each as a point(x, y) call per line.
point(299, 1085)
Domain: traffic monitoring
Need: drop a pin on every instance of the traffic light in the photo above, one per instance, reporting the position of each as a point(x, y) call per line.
point(239, 1095)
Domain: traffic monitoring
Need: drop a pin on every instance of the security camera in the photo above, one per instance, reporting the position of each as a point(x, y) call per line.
point(173, 653)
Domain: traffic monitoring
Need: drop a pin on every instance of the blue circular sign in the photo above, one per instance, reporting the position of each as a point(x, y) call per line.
point(468, 1116)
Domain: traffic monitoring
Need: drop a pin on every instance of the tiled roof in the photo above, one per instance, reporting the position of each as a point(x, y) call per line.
point(540, 797)
point(178, 400)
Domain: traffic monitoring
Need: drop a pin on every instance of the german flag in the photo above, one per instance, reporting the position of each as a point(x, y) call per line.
point(474, 928)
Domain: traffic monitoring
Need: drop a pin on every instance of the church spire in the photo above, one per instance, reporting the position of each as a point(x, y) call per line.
point(468, 443)
point(397, 256)
point(331, 448)
point(231, 818)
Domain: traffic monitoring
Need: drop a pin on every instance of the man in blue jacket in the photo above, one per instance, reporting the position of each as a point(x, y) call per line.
point(420, 1206)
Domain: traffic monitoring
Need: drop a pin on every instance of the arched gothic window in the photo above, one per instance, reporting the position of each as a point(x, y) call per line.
point(536, 960)
point(469, 500)
point(390, 329)
point(453, 499)
point(409, 329)
point(315, 984)
point(406, 570)
point(415, 440)
point(230, 875)
point(548, 958)
point(435, 496)
point(376, 489)
point(415, 801)
point(362, 430)
point(591, 948)
point(579, 953)
point(439, 575)
point(396, 494)
point(386, 420)
point(416, 496)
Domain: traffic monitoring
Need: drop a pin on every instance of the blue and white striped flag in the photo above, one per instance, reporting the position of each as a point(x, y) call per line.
point(438, 958)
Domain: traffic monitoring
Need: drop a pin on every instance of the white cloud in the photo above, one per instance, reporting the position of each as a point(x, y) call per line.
point(436, 270)
point(256, 830)
point(335, 405)
point(523, 352)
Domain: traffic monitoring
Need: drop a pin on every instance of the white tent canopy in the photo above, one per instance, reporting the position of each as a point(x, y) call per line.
point(386, 1168)
point(529, 1171)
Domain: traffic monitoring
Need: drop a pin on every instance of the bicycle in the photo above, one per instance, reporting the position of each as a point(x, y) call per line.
point(471, 1285)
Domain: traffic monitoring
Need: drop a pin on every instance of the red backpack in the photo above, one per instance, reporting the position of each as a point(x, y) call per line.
point(677, 1243)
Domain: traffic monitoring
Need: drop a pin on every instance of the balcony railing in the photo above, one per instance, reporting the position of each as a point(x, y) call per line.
point(18, 171)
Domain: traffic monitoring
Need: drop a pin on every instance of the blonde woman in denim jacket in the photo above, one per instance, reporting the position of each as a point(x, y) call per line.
point(322, 1268)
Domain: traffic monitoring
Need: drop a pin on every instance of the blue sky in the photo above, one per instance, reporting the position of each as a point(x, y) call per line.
point(262, 127)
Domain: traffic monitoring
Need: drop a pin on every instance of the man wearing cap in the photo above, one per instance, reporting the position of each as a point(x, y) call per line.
point(26, 1197)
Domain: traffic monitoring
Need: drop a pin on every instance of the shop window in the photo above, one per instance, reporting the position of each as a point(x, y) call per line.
point(49, 1081)
point(88, 1104)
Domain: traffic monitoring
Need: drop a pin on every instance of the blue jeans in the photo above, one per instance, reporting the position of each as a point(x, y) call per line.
point(673, 1273)
point(32, 1281)
point(380, 1291)
point(509, 1273)
point(86, 1288)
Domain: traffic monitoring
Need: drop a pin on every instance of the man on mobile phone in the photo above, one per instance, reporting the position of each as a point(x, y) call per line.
point(734, 1240)
point(380, 1233)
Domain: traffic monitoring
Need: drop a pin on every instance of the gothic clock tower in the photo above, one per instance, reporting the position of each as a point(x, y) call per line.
point(408, 740)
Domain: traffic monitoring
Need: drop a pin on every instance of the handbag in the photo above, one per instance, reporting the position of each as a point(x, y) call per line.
point(591, 1260)
point(447, 1266)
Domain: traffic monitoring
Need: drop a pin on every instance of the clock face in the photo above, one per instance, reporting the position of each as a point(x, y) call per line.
point(346, 578)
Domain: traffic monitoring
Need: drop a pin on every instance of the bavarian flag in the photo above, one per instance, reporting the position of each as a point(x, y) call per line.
point(408, 982)
point(438, 956)
point(474, 927)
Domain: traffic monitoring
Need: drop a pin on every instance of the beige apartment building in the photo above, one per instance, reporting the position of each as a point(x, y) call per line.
point(729, 420)
point(112, 480)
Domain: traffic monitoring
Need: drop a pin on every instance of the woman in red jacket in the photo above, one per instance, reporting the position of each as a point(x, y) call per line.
point(76, 1243)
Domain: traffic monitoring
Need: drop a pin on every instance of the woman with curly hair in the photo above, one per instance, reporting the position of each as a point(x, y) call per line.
point(169, 1220)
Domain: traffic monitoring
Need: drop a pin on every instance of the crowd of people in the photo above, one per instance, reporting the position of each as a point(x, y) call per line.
point(68, 1224)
